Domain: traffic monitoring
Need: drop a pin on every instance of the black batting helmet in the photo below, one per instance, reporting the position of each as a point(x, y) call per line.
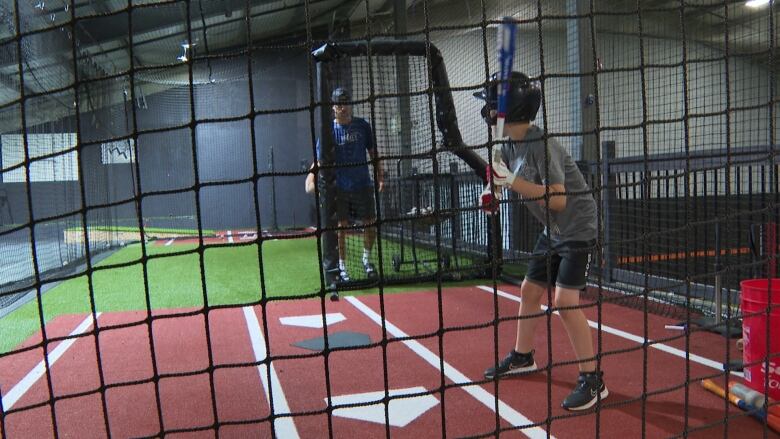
point(523, 99)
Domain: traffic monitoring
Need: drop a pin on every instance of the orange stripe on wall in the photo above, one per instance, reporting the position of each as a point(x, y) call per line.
point(681, 255)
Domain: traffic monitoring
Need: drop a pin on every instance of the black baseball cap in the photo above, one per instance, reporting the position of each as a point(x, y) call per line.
point(340, 95)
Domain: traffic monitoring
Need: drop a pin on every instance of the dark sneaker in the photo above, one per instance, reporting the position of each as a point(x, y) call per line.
point(513, 364)
point(343, 276)
point(370, 270)
point(586, 393)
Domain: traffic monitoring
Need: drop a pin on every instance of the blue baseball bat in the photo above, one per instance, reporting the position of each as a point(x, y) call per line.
point(507, 34)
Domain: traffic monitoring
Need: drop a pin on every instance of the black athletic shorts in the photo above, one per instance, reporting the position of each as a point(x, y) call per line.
point(568, 263)
point(357, 205)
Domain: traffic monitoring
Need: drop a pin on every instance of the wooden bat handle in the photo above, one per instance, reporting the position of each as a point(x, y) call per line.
point(771, 420)
point(716, 389)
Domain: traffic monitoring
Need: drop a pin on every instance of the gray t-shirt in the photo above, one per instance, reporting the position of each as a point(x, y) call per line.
point(526, 158)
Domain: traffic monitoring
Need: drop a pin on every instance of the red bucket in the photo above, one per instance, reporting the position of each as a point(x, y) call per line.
point(755, 297)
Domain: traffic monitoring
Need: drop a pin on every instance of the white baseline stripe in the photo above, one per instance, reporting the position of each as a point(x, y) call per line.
point(284, 427)
point(17, 391)
point(628, 336)
point(169, 242)
point(506, 412)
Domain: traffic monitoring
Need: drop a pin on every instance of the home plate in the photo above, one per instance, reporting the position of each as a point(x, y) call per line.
point(312, 321)
point(401, 411)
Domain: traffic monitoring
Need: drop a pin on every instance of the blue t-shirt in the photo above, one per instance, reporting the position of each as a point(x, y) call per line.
point(352, 142)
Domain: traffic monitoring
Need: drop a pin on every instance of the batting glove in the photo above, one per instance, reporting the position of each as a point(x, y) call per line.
point(501, 175)
point(489, 199)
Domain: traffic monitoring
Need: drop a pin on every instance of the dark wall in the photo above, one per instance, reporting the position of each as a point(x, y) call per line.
point(284, 84)
point(223, 152)
point(222, 156)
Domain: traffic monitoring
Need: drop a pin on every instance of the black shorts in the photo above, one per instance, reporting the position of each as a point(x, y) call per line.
point(355, 205)
point(568, 263)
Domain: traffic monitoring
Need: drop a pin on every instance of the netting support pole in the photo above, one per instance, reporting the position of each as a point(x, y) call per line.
point(580, 60)
point(608, 199)
point(495, 253)
point(716, 324)
point(404, 102)
point(771, 246)
point(327, 180)
point(718, 293)
point(273, 186)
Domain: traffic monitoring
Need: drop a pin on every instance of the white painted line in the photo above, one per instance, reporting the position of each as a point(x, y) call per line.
point(284, 426)
point(628, 336)
point(169, 242)
point(247, 236)
point(229, 235)
point(312, 321)
point(506, 412)
point(17, 391)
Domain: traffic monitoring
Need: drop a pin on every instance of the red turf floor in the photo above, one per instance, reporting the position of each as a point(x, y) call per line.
point(180, 353)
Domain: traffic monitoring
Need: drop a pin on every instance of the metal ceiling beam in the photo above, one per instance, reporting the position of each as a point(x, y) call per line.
point(748, 18)
point(95, 48)
point(196, 26)
point(293, 36)
point(103, 8)
point(696, 11)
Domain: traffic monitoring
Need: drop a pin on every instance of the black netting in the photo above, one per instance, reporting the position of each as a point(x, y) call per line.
point(157, 238)
point(428, 208)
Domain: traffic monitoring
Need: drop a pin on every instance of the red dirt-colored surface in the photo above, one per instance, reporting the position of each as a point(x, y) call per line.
point(174, 375)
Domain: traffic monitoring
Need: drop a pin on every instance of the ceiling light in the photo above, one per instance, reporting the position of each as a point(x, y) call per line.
point(756, 3)
point(185, 48)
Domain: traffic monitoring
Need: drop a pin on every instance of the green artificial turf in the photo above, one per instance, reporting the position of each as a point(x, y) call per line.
point(420, 261)
point(231, 275)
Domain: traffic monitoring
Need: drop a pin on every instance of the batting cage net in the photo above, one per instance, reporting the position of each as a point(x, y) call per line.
point(61, 141)
point(426, 216)
point(247, 218)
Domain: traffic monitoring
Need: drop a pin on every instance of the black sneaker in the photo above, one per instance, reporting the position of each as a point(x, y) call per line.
point(370, 270)
point(513, 364)
point(586, 393)
point(343, 275)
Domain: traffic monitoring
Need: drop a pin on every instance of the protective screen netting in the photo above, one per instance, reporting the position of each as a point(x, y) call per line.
point(430, 196)
point(153, 157)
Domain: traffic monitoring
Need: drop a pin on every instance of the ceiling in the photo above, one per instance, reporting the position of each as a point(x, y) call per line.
point(722, 24)
point(104, 35)
point(107, 34)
